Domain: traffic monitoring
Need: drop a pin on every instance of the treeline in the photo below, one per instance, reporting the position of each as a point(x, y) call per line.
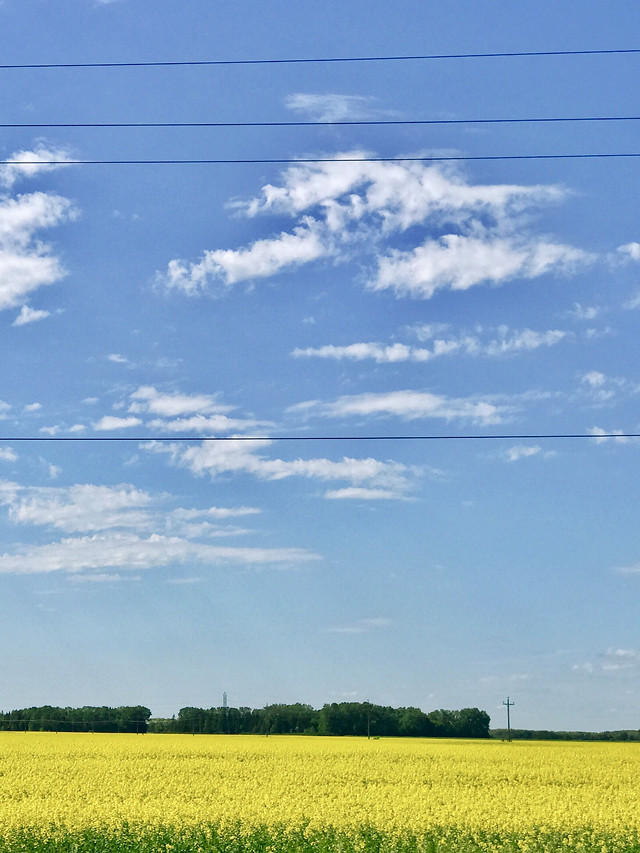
point(544, 734)
point(133, 718)
point(344, 718)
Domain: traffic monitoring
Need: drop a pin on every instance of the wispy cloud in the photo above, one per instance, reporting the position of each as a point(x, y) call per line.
point(179, 412)
point(500, 342)
point(524, 451)
point(332, 107)
point(379, 479)
point(125, 528)
point(132, 552)
point(361, 626)
point(409, 405)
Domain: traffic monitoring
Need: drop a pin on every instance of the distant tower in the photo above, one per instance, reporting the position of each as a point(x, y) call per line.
point(224, 701)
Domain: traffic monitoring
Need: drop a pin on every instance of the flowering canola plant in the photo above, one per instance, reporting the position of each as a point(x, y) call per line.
point(582, 796)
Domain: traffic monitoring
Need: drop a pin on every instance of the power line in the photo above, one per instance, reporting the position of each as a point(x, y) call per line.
point(440, 437)
point(329, 59)
point(337, 123)
point(293, 160)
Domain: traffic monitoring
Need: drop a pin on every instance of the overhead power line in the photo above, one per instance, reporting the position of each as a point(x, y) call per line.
point(324, 59)
point(440, 437)
point(337, 123)
point(246, 161)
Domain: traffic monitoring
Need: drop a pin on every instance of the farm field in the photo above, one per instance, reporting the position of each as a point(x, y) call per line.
point(175, 793)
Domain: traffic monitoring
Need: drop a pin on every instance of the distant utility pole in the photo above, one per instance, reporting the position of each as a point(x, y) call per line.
point(225, 714)
point(509, 705)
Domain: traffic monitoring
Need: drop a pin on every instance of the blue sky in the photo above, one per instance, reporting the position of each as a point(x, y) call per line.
point(336, 302)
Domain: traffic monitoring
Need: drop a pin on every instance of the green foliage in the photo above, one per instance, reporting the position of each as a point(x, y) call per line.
point(236, 839)
point(361, 719)
point(545, 734)
point(90, 718)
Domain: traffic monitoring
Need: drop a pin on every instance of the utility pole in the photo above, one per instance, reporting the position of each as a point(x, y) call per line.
point(225, 714)
point(509, 705)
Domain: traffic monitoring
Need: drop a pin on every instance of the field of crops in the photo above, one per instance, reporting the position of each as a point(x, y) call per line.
point(178, 793)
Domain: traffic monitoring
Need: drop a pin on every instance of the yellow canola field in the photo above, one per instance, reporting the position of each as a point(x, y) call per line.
point(78, 781)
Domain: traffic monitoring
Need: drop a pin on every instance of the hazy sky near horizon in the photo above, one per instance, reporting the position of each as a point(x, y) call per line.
point(342, 304)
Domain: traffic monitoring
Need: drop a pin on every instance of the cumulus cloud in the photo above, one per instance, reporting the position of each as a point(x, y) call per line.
point(261, 259)
point(345, 210)
point(459, 262)
point(27, 164)
point(30, 315)
point(26, 263)
point(631, 250)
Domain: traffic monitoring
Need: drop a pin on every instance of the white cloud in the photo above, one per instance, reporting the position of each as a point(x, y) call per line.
point(459, 262)
point(586, 667)
point(116, 358)
point(632, 250)
point(584, 312)
point(27, 164)
point(261, 259)
point(122, 527)
point(522, 451)
point(633, 569)
point(331, 107)
point(32, 407)
point(103, 577)
point(362, 626)
point(361, 494)
point(149, 400)
point(129, 551)
point(217, 512)
point(26, 263)
point(30, 315)
point(245, 457)
point(627, 654)
point(111, 422)
point(601, 435)
point(8, 454)
point(200, 424)
point(81, 508)
point(88, 508)
point(409, 405)
point(181, 413)
point(594, 379)
point(348, 210)
point(632, 304)
point(506, 343)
